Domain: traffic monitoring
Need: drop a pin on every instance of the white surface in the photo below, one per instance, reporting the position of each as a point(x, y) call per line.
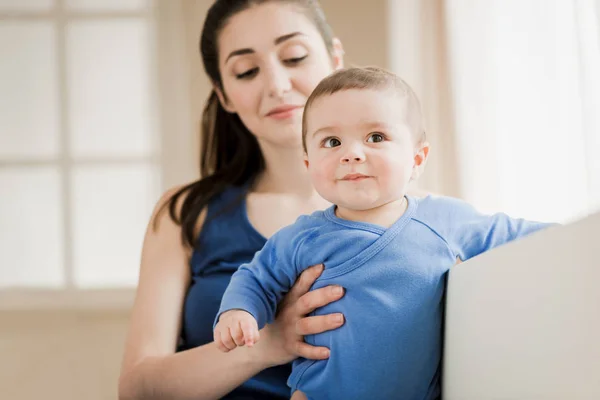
point(29, 97)
point(112, 206)
point(31, 228)
point(110, 96)
point(106, 5)
point(28, 5)
point(523, 320)
point(516, 79)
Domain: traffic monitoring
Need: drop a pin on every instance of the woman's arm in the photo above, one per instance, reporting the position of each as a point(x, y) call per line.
point(152, 370)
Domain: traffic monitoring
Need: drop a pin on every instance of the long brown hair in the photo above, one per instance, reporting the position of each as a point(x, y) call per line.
point(229, 153)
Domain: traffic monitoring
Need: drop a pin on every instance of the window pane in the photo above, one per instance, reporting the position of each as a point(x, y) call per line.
point(112, 206)
point(29, 100)
point(107, 5)
point(31, 228)
point(108, 83)
point(29, 5)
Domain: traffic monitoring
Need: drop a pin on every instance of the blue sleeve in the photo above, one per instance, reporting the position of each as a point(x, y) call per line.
point(470, 233)
point(257, 287)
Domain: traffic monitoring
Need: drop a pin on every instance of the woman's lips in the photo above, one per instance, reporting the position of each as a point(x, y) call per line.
point(283, 112)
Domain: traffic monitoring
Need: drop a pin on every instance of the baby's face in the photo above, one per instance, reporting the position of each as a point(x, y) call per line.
point(360, 152)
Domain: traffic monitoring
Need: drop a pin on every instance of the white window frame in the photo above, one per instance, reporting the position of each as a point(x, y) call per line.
point(170, 77)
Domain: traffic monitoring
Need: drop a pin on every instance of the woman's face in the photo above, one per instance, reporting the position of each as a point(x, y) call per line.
point(271, 57)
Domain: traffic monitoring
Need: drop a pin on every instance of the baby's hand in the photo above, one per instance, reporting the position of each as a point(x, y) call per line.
point(236, 328)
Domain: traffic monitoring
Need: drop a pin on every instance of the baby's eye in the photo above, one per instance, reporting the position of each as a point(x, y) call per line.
point(376, 138)
point(331, 142)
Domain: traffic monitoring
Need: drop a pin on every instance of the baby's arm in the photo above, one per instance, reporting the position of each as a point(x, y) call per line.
point(470, 232)
point(255, 290)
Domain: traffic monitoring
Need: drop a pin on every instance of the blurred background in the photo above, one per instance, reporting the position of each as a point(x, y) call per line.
point(100, 103)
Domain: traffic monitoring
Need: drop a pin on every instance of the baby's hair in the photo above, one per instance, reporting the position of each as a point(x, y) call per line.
point(373, 78)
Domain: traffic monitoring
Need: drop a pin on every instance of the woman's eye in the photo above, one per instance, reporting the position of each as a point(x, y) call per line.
point(375, 138)
point(295, 60)
point(248, 74)
point(331, 142)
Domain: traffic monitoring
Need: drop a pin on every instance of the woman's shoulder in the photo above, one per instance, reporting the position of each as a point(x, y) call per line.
point(166, 217)
point(169, 207)
point(163, 206)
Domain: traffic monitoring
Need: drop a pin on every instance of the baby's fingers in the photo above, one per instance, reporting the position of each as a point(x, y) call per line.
point(218, 341)
point(237, 334)
point(227, 340)
point(250, 331)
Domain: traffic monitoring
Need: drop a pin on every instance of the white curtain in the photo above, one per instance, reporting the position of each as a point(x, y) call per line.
point(519, 99)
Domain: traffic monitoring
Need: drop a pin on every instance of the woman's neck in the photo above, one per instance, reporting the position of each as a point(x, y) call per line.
point(284, 172)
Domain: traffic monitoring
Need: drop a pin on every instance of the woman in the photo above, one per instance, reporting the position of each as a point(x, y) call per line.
point(264, 59)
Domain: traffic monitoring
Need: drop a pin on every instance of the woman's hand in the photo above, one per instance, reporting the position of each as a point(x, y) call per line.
point(283, 341)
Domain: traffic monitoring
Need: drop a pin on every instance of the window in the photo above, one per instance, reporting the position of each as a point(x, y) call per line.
point(511, 91)
point(526, 83)
point(80, 145)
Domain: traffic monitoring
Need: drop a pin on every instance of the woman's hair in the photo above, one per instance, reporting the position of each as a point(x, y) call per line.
point(369, 78)
point(229, 153)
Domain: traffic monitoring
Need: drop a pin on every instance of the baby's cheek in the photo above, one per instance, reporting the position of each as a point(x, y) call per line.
point(396, 176)
point(320, 178)
point(322, 181)
point(321, 169)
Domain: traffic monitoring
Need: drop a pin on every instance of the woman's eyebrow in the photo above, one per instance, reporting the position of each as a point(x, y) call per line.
point(283, 38)
point(277, 41)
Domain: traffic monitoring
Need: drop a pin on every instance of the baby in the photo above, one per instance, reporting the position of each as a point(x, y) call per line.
point(364, 142)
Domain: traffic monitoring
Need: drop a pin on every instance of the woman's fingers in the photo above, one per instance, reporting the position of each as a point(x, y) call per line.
point(304, 282)
point(311, 352)
point(310, 301)
point(298, 395)
point(319, 324)
point(291, 323)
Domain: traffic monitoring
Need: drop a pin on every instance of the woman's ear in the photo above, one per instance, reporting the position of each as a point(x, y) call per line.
point(338, 54)
point(420, 160)
point(223, 100)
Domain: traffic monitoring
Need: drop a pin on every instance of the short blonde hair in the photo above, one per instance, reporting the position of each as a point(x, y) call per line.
point(373, 78)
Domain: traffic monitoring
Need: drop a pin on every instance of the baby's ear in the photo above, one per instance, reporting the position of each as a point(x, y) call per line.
point(420, 160)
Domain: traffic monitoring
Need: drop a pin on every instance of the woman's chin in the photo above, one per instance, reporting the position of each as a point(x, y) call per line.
point(283, 138)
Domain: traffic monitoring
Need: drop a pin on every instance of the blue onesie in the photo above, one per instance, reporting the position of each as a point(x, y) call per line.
point(390, 346)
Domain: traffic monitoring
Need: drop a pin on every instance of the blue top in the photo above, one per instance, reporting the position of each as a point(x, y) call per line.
point(391, 343)
point(226, 241)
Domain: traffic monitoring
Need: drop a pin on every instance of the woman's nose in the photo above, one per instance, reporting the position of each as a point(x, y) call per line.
point(278, 82)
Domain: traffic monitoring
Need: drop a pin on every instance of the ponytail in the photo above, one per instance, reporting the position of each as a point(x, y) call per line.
point(229, 156)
